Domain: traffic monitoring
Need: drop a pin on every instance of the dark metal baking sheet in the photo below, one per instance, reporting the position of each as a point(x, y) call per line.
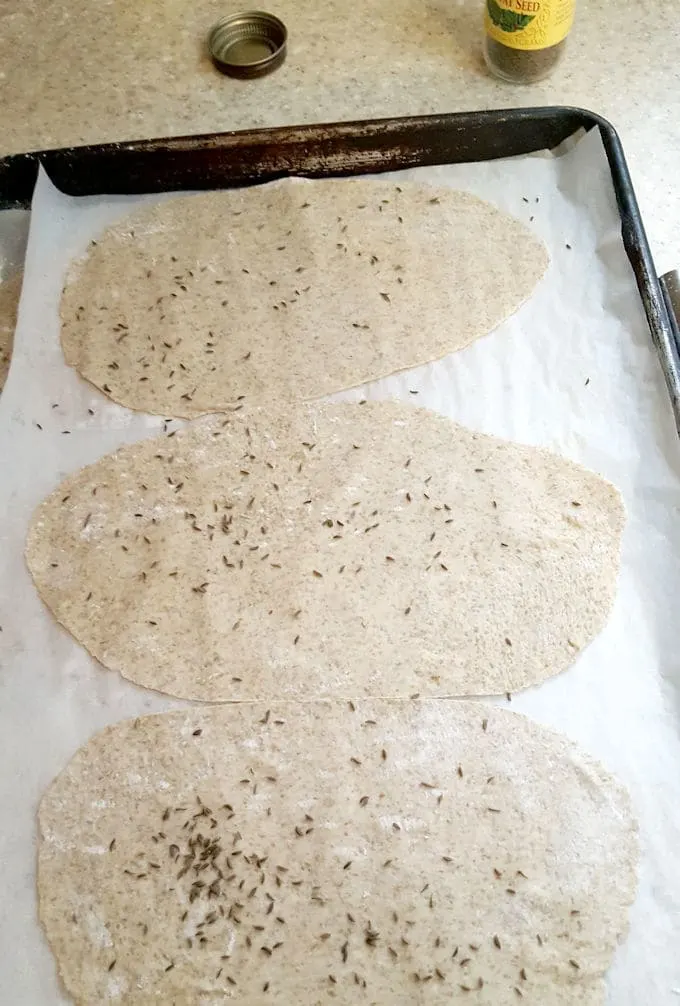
point(224, 160)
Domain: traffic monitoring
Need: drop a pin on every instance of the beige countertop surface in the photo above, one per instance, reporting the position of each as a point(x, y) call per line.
point(81, 71)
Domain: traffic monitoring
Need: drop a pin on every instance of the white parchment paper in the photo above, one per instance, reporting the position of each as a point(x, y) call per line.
point(574, 370)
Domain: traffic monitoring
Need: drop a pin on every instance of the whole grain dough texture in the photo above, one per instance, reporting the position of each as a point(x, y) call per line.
point(378, 852)
point(330, 550)
point(289, 291)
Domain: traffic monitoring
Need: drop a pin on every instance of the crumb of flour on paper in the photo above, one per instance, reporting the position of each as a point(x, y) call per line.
point(10, 292)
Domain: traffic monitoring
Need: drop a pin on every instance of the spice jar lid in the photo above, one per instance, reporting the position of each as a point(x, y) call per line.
point(249, 44)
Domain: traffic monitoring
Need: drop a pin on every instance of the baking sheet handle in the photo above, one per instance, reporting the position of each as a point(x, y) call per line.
point(670, 287)
point(662, 320)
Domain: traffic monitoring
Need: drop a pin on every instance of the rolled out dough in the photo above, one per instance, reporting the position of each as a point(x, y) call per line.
point(289, 291)
point(391, 853)
point(330, 550)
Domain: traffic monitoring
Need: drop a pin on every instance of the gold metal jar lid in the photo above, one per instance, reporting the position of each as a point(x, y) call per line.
point(249, 44)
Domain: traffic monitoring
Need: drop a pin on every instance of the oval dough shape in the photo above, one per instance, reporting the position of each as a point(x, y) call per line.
point(389, 853)
point(330, 550)
point(289, 291)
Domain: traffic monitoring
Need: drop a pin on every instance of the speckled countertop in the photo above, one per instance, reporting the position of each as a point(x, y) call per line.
point(79, 71)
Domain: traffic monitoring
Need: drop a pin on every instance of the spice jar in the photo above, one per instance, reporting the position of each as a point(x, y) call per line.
point(525, 39)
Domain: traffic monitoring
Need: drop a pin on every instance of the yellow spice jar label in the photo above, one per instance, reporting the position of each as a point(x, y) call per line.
point(529, 24)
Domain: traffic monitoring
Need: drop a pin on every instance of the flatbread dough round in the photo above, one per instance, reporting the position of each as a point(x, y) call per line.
point(389, 853)
point(289, 291)
point(330, 550)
